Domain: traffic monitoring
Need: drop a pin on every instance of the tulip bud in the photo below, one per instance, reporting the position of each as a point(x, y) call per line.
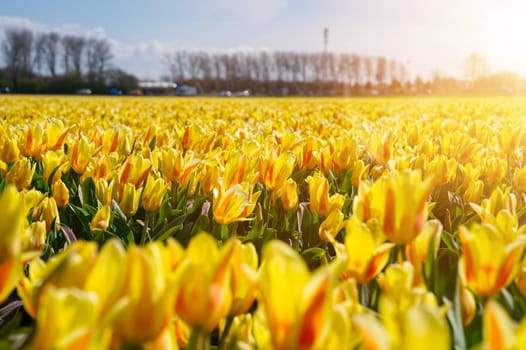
point(101, 220)
point(129, 202)
point(60, 193)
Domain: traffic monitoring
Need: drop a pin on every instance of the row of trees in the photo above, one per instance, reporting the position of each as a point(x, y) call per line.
point(50, 61)
point(276, 72)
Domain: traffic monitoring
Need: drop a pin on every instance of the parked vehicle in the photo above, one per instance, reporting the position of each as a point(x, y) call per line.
point(226, 93)
point(83, 92)
point(4, 90)
point(114, 92)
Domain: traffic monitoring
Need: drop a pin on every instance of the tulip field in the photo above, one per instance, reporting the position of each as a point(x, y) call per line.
point(261, 223)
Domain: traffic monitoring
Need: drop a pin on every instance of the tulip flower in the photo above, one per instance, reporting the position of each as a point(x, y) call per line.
point(319, 200)
point(410, 315)
point(359, 172)
point(175, 167)
point(418, 250)
point(398, 201)
point(67, 269)
point(276, 171)
point(54, 163)
point(288, 194)
point(499, 211)
point(56, 134)
point(498, 329)
point(204, 296)
point(135, 170)
point(233, 204)
point(345, 154)
point(519, 179)
point(153, 193)
point(488, 263)
point(244, 263)
point(509, 138)
point(149, 286)
point(50, 213)
point(32, 142)
point(81, 154)
point(21, 174)
point(102, 218)
point(296, 303)
point(129, 202)
point(60, 193)
point(381, 147)
point(11, 230)
point(9, 150)
point(331, 226)
point(76, 326)
point(366, 251)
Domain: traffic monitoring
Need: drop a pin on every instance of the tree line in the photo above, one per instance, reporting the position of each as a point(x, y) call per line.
point(280, 72)
point(55, 63)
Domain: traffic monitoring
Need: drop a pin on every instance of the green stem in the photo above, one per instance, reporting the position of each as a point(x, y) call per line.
point(145, 228)
point(226, 330)
point(199, 339)
point(363, 294)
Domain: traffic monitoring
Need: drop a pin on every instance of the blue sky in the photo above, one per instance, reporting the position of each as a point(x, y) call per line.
point(425, 34)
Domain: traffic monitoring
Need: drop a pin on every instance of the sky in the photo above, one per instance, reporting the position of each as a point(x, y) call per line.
point(426, 35)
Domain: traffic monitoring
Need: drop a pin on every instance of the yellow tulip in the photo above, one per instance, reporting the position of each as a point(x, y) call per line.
point(56, 134)
point(398, 201)
point(209, 177)
point(509, 137)
point(148, 284)
point(498, 329)
point(366, 251)
point(519, 179)
point(488, 264)
point(75, 327)
point(102, 218)
point(417, 251)
point(232, 204)
point(175, 167)
point(32, 142)
point(244, 264)
point(296, 303)
point(21, 174)
point(276, 171)
point(11, 232)
point(319, 200)
point(468, 305)
point(345, 154)
point(499, 211)
point(34, 240)
point(67, 269)
point(359, 173)
point(153, 193)
point(81, 154)
point(473, 192)
point(53, 162)
point(134, 171)
point(103, 191)
point(288, 194)
point(60, 193)
point(204, 296)
point(381, 147)
point(9, 151)
point(411, 316)
point(331, 226)
point(129, 202)
point(49, 213)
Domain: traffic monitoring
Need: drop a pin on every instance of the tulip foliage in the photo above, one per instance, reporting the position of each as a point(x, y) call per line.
point(132, 223)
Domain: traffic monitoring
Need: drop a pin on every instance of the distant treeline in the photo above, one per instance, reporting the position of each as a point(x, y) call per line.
point(54, 63)
point(280, 72)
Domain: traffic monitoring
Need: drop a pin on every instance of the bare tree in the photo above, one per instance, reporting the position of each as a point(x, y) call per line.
point(73, 49)
point(475, 67)
point(17, 49)
point(52, 49)
point(381, 69)
point(98, 55)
